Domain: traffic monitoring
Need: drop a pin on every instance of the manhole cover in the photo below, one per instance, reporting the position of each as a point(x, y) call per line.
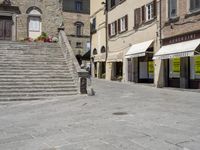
point(120, 113)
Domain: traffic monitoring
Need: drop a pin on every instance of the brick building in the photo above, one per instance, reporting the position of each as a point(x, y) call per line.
point(180, 34)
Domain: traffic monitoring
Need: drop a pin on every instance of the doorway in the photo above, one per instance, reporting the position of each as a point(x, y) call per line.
point(5, 28)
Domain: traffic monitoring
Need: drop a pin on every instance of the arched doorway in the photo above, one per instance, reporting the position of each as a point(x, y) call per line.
point(34, 22)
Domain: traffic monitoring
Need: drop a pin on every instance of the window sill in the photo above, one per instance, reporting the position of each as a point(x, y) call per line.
point(111, 36)
point(172, 20)
point(192, 13)
point(120, 2)
point(120, 32)
point(149, 21)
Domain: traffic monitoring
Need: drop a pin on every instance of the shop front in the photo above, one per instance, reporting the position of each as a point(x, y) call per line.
point(140, 62)
point(115, 66)
point(181, 59)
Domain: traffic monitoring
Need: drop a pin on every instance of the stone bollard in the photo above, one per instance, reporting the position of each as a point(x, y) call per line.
point(83, 74)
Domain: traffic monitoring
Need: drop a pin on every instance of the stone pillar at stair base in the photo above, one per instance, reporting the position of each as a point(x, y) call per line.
point(83, 75)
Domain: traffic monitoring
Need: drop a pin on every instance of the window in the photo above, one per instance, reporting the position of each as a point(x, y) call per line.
point(150, 11)
point(194, 5)
point(123, 24)
point(112, 28)
point(78, 44)
point(112, 3)
point(34, 24)
point(93, 24)
point(79, 28)
point(78, 5)
point(137, 18)
point(172, 8)
point(95, 51)
point(103, 49)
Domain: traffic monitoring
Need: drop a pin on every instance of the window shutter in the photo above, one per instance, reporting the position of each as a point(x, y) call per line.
point(137, 17)
point(119, 26)
point(126, 22)
point(155, 8)
point(115, 27)
point(143, 13)
point(109, 30)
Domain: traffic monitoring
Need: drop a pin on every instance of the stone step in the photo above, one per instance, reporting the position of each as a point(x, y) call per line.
point(23, 86)
point(39, 94)
point(33, 98)
point(52, 83)
point(32, 90)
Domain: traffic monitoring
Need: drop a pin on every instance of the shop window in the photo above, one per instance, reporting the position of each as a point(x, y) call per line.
point(172, 8)
point(195, 67)
point(194, 5)
point(174, 68)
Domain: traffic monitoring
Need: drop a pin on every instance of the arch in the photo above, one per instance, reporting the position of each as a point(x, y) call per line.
point(95, 51)
point(103, 49)
point(34, 10)
point(79, 23)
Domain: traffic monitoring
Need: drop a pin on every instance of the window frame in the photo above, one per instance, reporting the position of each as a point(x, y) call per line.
point(113, 31)
point(151, 14)
point(78, 6)
point(196, 9)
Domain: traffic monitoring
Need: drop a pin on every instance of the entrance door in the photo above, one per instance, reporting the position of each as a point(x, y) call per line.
point(5, 28)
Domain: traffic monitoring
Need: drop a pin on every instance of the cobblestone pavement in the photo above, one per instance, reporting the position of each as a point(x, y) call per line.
point(119, 117)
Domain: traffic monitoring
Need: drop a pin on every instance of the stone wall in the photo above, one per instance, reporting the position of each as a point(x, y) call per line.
point(51, 16)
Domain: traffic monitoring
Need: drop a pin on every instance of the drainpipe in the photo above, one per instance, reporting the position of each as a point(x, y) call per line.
point(160, 23)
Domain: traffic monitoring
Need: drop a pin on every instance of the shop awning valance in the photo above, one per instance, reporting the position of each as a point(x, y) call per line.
point(183, 49)
point(138, 50)
point(115, 57)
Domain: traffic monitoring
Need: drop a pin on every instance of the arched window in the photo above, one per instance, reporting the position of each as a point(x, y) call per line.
point(34, 22)
point(103, 49)
point(95, 51)
point(79, 28)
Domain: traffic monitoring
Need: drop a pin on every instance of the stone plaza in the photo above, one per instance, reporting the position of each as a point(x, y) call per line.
point(121, 116)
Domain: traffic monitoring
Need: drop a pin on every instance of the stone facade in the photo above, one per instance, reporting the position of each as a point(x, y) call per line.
point(74, 17)
point(50, 16)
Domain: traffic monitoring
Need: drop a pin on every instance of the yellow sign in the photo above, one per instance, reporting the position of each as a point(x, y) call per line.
point(151, 67)
point(197, 65)
point(176, 65)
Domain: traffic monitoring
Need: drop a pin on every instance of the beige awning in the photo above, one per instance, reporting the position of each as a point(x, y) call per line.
point(115, 57)
point(183, 49)
point(138, 50)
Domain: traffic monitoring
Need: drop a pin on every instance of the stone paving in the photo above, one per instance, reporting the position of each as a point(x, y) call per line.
point(119, 117)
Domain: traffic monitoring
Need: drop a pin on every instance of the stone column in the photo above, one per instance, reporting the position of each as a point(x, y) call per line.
point(125, 70)
point(184, 74)
point(108, 70)
point(135, 70)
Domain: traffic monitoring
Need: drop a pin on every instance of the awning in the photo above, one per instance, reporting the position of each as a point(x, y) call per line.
point(115, 57)
point(138, 50)
point(183, 49)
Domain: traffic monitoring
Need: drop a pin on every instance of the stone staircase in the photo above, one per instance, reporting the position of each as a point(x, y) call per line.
point(34, 71)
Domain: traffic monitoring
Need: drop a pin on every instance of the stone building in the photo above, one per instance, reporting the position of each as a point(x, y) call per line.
point(180, 25)
point(20, 19)
point(98, 38)
point(76, 16)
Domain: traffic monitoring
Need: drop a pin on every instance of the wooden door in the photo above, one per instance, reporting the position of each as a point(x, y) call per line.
point(5, 28)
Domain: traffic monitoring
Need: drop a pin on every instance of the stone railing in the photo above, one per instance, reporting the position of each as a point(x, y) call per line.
point(79, 75)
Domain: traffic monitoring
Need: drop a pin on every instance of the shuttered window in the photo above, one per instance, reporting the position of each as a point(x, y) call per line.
point(112, 29)
point(137, 18)
point(123, 24)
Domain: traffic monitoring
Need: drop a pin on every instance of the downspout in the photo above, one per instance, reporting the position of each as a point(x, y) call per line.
point(106, 28)
point(160, 24)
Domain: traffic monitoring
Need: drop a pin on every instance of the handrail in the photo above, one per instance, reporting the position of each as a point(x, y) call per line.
point(74, 67)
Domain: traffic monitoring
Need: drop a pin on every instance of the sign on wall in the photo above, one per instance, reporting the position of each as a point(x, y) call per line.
point(197, 65)
point(176, 65)
point(150, 67)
